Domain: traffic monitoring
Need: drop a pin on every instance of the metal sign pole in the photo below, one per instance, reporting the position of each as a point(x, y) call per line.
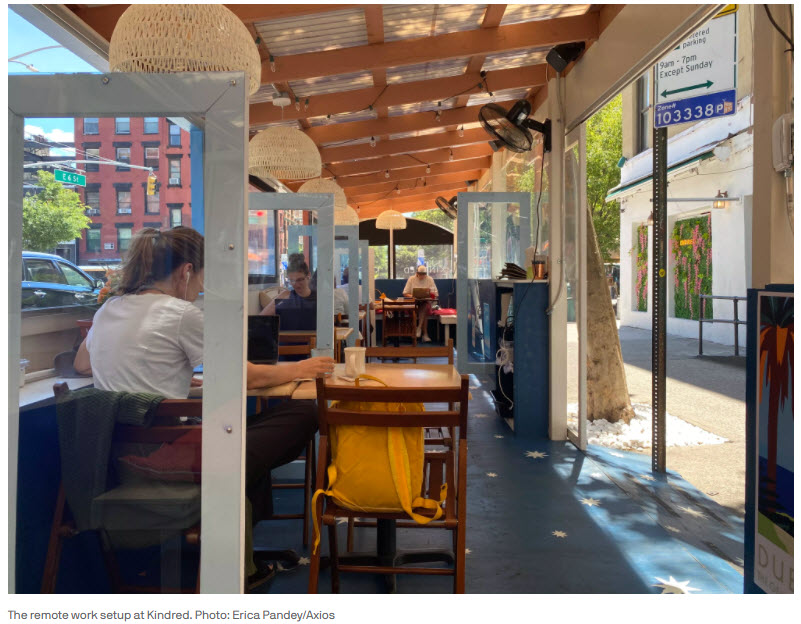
point(658, 308)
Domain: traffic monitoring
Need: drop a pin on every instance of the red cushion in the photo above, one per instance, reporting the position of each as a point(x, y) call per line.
point(445, 312)
point(179, 461)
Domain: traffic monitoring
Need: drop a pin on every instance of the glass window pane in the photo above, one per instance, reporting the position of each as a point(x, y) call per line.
point(93, 240)
point(151, 125)
point(151, 152)
point(261, 246)
point(91, 125)
point(381, 262)
point(175, 135)
point(438, 259)
point(152, 203)
point(123, 238)
point(122, 125)
point(123, 202)
point(74, 278)
point(92, 153)
point(175, 217)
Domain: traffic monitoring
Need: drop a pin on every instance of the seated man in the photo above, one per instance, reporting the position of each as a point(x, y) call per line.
point(421, 279)
point(297, 307)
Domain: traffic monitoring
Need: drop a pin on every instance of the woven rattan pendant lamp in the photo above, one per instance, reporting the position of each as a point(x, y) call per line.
point(323, 185)
point(391, 220)
point(165, 38)
point(346, 217)
point(284, 153)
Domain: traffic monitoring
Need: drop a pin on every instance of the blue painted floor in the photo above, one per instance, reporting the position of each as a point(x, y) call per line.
point(545, 518)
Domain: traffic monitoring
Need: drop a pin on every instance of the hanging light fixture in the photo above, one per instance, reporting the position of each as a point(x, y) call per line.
point(166, 38)
point(346, 217)
point(284, 153)
point(323, 185)
point(720, 199)
point(391, 220)
point(386, 174)
point(428, 168)
point(372, 141)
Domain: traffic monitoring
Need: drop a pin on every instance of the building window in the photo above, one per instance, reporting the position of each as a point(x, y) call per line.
point(123, 238)
point(91, 125)
point(93, 201)
point(175, 135)
point(92, 153)
point(175, 217)
point(122, 125)
point(175, 172)
point(123, 155)
point(643, 112)
point(152, 157)
point(123, 202)
point(93, 240)
point(151, 125)
point(151, 203)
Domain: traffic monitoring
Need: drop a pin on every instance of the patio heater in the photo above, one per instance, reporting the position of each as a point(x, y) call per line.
point(391, 220)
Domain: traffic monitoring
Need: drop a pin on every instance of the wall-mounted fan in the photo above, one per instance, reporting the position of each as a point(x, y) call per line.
point(448, 207)
point(511, 129)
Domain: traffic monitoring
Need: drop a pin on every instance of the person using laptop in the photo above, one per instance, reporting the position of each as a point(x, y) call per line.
point(297, 307)
point(149, 338)
point(421, 280)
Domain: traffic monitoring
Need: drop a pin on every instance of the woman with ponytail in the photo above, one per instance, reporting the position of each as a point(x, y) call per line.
point(148, 337)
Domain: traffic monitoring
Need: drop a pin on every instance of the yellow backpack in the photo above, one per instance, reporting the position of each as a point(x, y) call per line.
point(377, 469)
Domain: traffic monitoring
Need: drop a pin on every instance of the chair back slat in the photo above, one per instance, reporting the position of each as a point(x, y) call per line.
point(412, 352)
point(337, 416)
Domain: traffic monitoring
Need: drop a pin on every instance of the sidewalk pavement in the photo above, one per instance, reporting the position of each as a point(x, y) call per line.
point(707, 391)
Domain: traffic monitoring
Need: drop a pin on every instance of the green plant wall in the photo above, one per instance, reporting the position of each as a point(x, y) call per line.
point(641, 285)
point(691, 248)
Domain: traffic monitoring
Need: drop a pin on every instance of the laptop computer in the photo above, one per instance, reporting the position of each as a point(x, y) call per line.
point(263, 339)
point(421, 293)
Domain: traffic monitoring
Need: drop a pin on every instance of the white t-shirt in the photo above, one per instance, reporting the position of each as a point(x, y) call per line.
point(146, 343)
point(414, 282)
point(341, 298)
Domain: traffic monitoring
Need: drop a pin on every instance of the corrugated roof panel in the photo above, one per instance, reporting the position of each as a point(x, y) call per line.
point(332, 84)
point(416, 133)
point(264, 94)
point(459, 17)
point(419, 107)
point(410, 21)
point(517, 58)
point(518, 13)
point(497, 96)
point(349, 142)
point(314, 33)
point(288, 122)
point(427, 71)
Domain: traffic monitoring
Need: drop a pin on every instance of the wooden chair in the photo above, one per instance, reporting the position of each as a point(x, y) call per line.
point(438, 466)
point(167, 428)
point(400, 321)
point(308, 456)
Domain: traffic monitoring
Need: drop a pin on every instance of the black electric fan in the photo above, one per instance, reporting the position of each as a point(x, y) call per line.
point(448, 207)
point(512, 129)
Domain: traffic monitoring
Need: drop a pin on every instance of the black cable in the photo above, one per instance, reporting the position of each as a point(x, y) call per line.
point(776, 26)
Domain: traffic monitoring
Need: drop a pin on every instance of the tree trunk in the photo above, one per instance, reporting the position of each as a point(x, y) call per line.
point(607, 391)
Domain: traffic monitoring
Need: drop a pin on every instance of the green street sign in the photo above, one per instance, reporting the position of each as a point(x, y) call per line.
point(65, 177)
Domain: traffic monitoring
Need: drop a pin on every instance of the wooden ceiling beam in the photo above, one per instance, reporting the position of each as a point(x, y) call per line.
point(101, 19)
point(406, 192)
point(265, 12)
point(432, 183)
point(390, 163)
point(371, 212)
point(403, 146)
point(413, 122)
point(537, 34)
point(399, 200)
point(404, 93)
point(408, 173)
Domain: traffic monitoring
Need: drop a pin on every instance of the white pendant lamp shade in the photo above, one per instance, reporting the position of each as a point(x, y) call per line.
point(323, 185)
point(346, 217)
point(391, 220)
point(284, 153)
point(165, 38)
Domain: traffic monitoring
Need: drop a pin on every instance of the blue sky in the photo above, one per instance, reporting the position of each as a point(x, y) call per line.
point(23, 37)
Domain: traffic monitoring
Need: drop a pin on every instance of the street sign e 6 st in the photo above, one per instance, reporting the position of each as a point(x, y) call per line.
point(65, 177)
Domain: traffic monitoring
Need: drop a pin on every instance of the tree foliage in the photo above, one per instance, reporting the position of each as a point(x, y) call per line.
point(604, 148)
point(54, 215)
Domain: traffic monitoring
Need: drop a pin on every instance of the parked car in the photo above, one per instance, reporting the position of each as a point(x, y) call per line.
point(50, 281)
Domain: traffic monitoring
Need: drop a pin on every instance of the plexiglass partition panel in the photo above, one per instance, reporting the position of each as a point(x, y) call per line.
point(111, 200)
point(348, 290)
point(576, 285)
point(492, 229)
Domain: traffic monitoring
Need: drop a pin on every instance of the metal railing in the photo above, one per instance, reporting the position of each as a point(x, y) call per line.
point(735, 321)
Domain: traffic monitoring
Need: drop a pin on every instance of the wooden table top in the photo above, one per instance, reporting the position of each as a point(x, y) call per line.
point(340, 333)
point(407, 376)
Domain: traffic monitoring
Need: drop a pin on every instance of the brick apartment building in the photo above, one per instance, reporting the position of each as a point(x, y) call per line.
point(117, 195)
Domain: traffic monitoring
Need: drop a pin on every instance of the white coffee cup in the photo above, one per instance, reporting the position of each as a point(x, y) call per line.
point(354, 361)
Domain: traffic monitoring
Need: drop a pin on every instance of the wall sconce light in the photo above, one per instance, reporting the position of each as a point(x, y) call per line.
point(720, 199)
point(650, 219)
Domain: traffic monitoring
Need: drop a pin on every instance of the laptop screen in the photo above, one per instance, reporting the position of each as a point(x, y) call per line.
point(263, 339)
point(421, 293)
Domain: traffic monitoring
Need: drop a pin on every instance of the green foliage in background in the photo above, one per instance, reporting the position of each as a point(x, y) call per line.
point(53, 216)
point(691, 248)
point(641, 286)
point(604, 149)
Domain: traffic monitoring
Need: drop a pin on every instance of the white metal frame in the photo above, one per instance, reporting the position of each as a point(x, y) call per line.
point(323, 203)
point(462, 233)
point(221, 101)
point(352, 245)
point(579, 137)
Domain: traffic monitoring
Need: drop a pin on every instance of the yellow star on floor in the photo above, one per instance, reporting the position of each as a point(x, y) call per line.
point(693, 512)
point(536, 454)
point(590, 502)
point(467, 551)
point(560, 534)
point(304, 561)
point(597, 475)
point(647, 477)
point(481, 415)
point(499, 437)
point(672, 586)
point(492, 475)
